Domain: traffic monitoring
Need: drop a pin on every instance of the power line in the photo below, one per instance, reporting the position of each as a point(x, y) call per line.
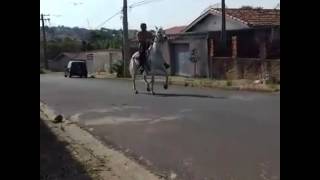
point(130, 6)
point(56, 15)
point(137, 3)
point(119, 12)
point(142, 3)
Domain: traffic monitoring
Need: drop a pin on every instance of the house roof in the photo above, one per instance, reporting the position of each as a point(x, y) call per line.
point(175, 29)
point(250, 17)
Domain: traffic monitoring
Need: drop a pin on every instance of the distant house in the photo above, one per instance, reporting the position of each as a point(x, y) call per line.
point(97, 61)
point(251, 33)
point(175, 30)
point(60, 62)
point(236, 19)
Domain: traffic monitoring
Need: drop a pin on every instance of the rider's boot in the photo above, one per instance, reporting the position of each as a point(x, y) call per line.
point(166, 65)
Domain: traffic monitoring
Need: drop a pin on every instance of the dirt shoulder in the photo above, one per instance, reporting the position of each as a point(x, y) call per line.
point(68, 152)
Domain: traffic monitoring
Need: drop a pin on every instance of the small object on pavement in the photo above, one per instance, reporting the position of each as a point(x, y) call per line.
point(58, 119)
point(173, 175)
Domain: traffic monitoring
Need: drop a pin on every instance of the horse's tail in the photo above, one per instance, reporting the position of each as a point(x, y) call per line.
point(132, 63)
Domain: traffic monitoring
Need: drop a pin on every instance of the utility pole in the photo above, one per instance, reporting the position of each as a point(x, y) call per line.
point(42, 19)
point(125, 37)
point(223, 24)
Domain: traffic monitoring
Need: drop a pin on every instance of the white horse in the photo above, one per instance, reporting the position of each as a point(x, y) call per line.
point(155, 61)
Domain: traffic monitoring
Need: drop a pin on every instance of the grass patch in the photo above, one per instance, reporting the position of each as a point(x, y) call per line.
point(274, 87)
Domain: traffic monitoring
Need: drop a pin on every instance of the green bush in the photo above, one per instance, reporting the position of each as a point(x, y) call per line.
point(229, 83)
point(42, 71)
point(117, 67)
point(273, 80)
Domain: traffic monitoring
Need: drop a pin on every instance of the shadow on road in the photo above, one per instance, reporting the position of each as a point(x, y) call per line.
point(56, 162)
point(183, 95)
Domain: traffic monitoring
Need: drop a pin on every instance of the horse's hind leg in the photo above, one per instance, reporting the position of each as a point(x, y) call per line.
point(134, 80)
point(152, 83)
point(134, 86)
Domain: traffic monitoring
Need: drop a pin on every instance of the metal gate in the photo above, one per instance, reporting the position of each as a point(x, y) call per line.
point(181, 59)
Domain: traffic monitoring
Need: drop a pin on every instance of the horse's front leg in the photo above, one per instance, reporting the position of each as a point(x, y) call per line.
point(146, 81)
point(165, 86)
point(152, 83)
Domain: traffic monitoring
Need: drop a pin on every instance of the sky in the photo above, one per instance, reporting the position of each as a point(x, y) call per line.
point(161, 13)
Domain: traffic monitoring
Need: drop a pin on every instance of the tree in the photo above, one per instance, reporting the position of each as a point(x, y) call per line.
point(71, 45)
point(250, 7)
point(246, 7)
point(66, 39)
point(53, 49)
point(83, 45)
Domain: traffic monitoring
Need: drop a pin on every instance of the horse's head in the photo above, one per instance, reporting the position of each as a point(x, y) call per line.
point(156, 51)
point(160, 36)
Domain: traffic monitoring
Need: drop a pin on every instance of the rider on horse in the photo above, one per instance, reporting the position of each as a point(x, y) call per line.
point(145, 39)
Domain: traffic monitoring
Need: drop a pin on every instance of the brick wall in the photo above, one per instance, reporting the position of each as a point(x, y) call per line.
point(224, 68)
point(240, 68)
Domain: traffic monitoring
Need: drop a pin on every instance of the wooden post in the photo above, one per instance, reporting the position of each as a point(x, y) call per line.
point(234, 47)
point(262, 50)
point(262, 56)
point(126, 47)
point(211, 54)
point(110, 63)
point(234, 56)
point(195, 69)
point(223, 25)
point(46, 63)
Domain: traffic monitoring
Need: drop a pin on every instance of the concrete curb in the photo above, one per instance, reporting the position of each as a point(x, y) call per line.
point(205, 83)
point(121, 166)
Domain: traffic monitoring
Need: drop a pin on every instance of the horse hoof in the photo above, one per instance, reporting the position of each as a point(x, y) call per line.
point(136, 92)
point(165, 86)
point(153, 93)
point(148, 89)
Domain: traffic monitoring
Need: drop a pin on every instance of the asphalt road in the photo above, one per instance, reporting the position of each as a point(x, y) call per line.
point(195, 133)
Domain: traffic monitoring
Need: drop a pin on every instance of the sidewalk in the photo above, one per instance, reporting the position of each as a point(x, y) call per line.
point(69, 152)
point(242, 84)
point(245, 85)
point(57, 157)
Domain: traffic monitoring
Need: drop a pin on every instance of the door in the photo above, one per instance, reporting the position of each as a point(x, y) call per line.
point(89, 64)
point(181, 59)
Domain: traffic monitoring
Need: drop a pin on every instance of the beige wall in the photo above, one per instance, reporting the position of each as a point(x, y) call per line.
point(102, 60)
point(58, 66)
